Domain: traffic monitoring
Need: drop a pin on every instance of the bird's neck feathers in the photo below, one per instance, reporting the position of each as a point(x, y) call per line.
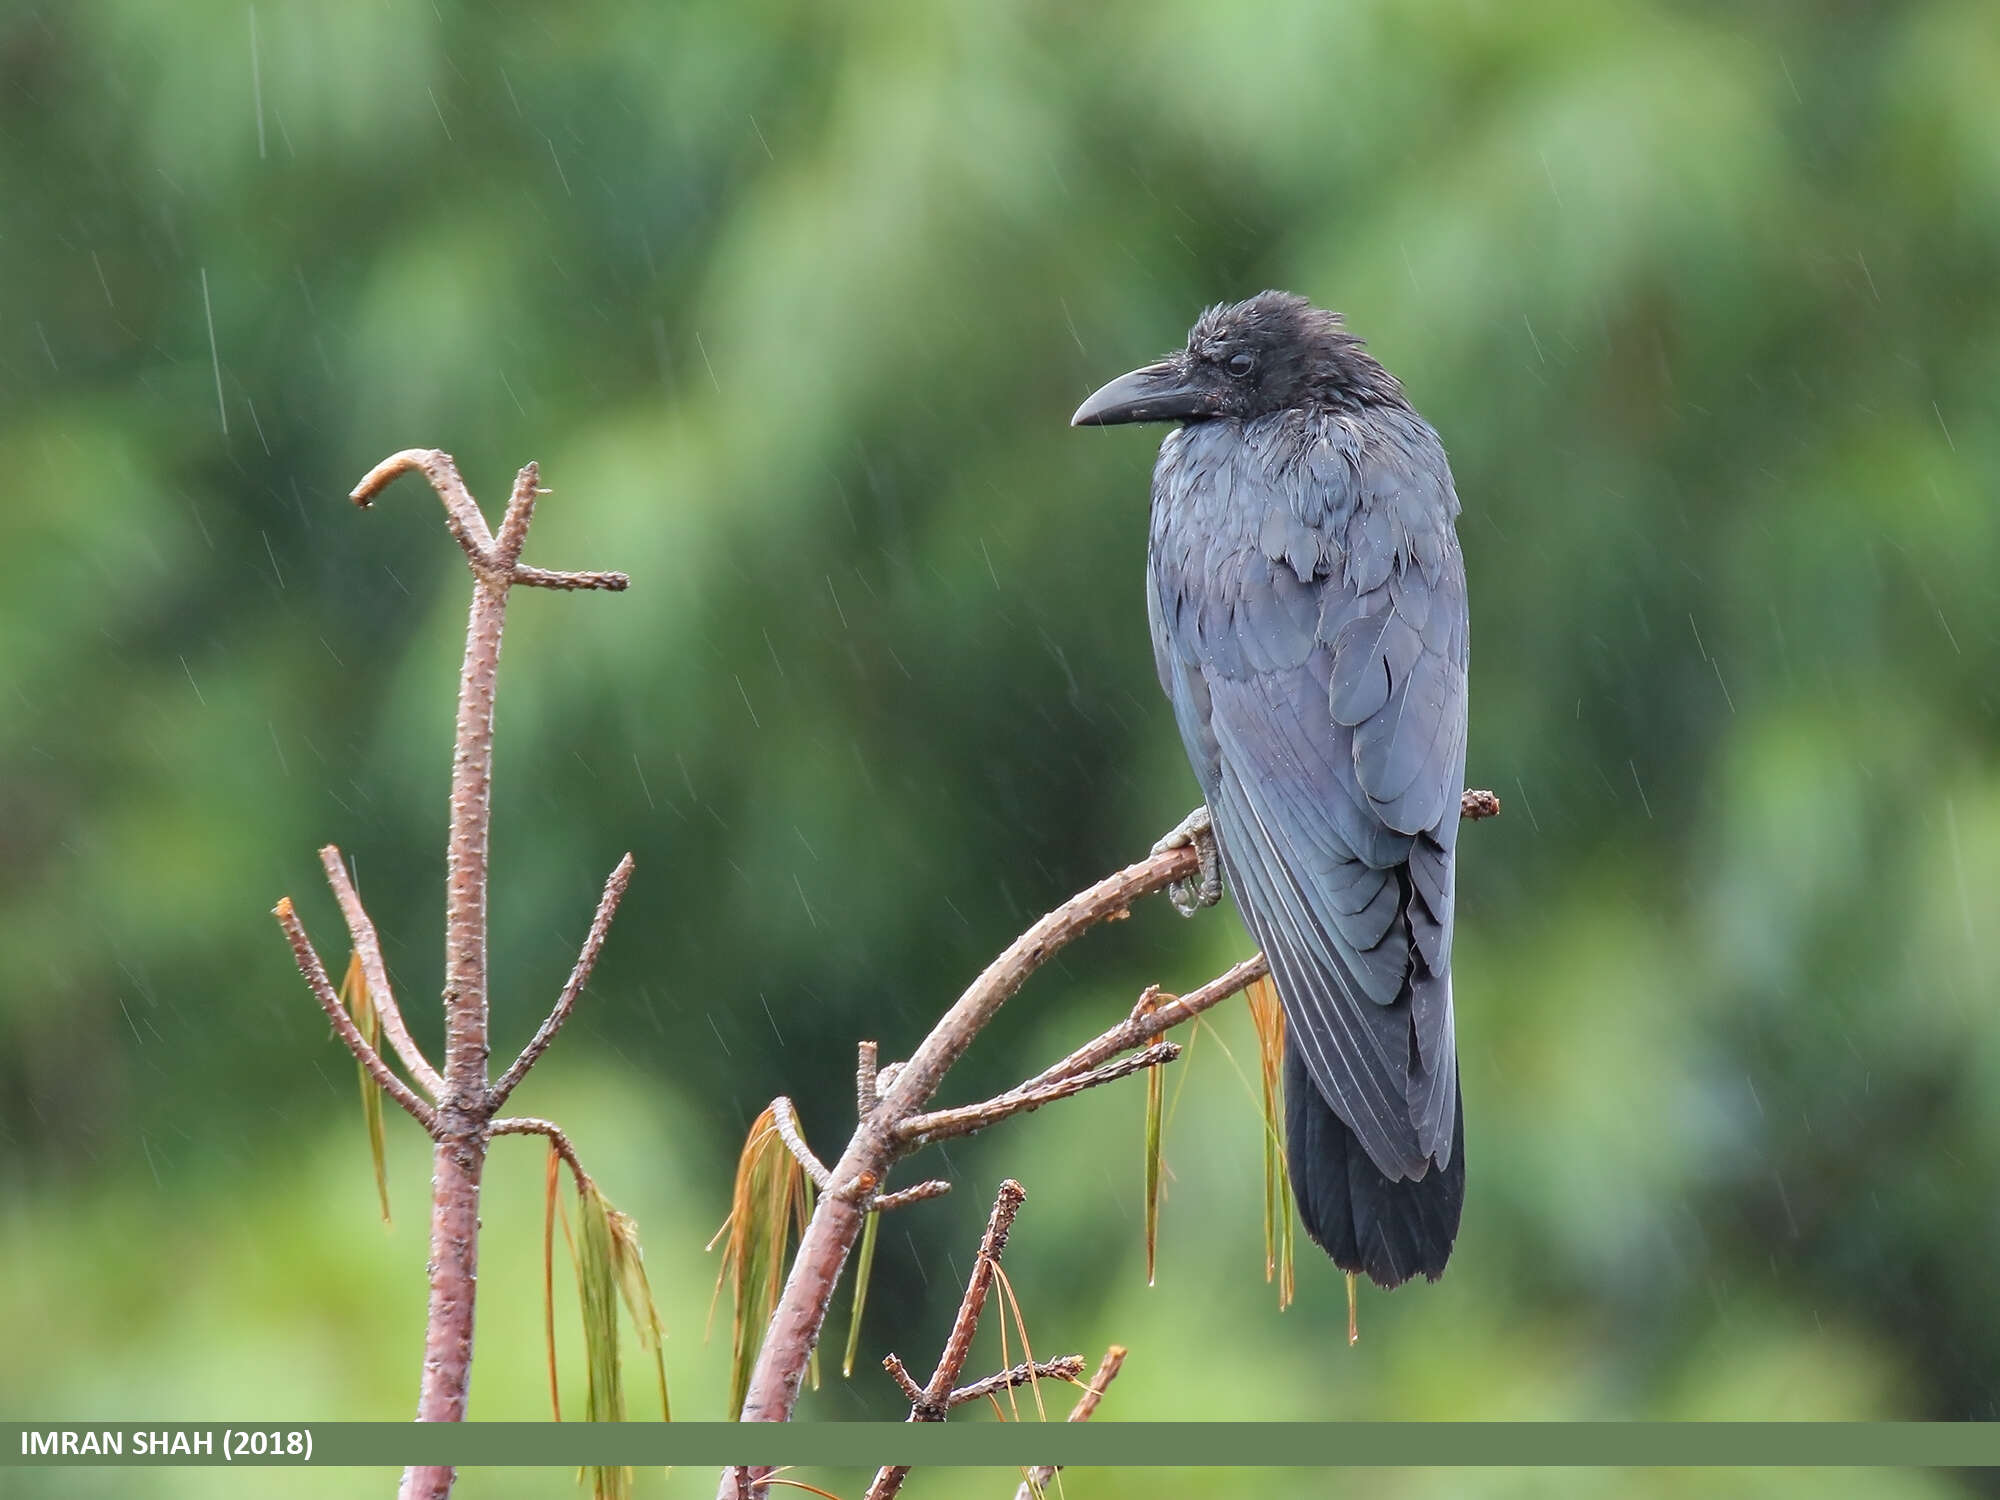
point(1344, 376)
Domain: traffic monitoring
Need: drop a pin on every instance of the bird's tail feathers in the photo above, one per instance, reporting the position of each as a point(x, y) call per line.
point(1391, 1230)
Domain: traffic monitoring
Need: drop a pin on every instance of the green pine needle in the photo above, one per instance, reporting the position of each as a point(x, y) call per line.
point(864, 1265)
point(361, 1005)
point(1156, 1094)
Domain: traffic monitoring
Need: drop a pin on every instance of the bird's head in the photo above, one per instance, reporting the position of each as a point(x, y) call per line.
point(1276, 352)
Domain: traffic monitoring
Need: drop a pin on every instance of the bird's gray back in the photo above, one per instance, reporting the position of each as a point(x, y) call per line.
point(1307, 600)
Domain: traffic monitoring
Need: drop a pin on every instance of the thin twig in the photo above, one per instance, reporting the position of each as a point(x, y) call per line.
point(787, 1121)
point(343, 1024)
point(520, 511)
point(1107, 1371)
point(579, 976)
point(882, 1203)
point(1149, 1018)
point(1035, 1486)
point(900, 1373)
point(944, 1124)
point(461, 511)
point(546, 578)
point(1067, 1367)
point(367, 943)
point(866, 1097)
point(532, 1125)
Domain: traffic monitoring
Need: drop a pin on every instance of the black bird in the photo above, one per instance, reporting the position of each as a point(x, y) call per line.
point(1307, 599)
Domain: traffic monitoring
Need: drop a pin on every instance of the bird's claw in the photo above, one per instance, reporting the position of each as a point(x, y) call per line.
point(1204, 888)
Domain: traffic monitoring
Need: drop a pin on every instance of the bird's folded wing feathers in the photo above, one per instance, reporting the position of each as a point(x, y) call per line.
point(1326, 713)
point(1341, 973)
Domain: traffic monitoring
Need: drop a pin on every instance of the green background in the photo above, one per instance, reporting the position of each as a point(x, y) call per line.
point(792, 302)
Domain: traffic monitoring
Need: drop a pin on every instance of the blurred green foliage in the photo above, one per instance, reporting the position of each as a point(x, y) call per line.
point(792, 302)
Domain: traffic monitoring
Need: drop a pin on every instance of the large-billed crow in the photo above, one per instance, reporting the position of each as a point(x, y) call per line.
point(1307, 599)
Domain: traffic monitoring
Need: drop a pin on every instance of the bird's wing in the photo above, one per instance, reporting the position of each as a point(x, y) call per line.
point(1316, 664)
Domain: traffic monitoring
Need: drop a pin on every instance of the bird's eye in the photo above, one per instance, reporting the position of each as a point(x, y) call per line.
point(1240, 365)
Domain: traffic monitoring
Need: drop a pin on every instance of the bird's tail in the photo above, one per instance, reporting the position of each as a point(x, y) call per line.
point(1365, 1221)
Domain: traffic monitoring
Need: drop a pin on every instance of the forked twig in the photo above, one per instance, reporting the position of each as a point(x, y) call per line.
point(992, 1245)
point(933, 1401)
point(467, 1101)
point(875, 1145)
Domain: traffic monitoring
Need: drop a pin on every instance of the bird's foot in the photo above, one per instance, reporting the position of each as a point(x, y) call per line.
point(1204, 888)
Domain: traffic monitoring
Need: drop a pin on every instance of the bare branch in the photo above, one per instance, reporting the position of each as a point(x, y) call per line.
point(343, 1023)
point(546, 578)
point(579, 976)
point(461, 511)
point(464, 1108)
point(1035, 1486)
point(902, 1091)
point(462, 1124)
point(367, 943)
point(944, 1124)
point(836, 1223)
point(787, 1121)
point(1067, 1367)
point(918, 1079)
point(882, 1203)
point(459, 1161)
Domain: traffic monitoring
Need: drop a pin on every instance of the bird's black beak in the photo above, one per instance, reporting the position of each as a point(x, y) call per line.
point(1158, 393)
